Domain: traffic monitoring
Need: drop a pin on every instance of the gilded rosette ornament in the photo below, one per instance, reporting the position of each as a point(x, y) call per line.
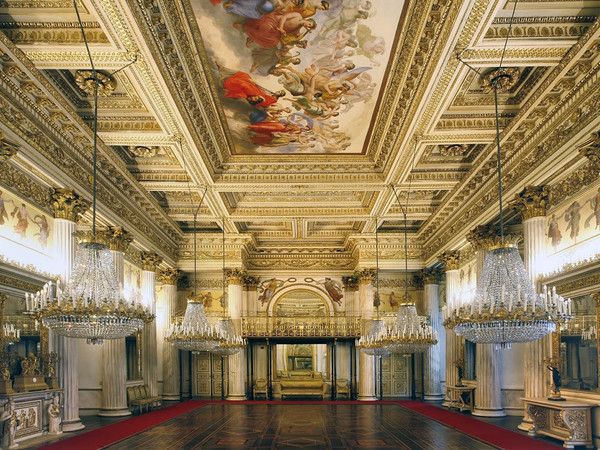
point(8, 149)
point(116, 238)
point(169, 276)
point(84, 79)
point(450, 259)
point(366, 276)
point(150, 261)
point(532, 201)
point(235, 276)
point(67, 204)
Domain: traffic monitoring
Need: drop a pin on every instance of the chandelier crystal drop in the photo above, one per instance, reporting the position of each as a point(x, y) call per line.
point(374, 341)
point(193, 333)
point(411, 333)
point(506, 309)
point(231, 342)
point(91, 305)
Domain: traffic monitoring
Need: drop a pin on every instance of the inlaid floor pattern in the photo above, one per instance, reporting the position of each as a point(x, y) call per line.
point(271, 426)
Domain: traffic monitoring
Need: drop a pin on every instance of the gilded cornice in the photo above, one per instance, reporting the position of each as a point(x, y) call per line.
point(8, 149)
point(53, 33)
point(540, 31)
point(26, 186)
point(299, 261)
point(60, 143)
point(573, 183)
point(532, 201)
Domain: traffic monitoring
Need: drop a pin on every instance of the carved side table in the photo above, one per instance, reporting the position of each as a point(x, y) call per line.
point(569, 421)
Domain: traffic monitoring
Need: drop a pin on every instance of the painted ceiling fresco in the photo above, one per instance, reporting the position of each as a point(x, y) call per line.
point(298, 76)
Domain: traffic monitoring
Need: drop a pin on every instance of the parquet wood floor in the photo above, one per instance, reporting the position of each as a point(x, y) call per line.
point(272, 426)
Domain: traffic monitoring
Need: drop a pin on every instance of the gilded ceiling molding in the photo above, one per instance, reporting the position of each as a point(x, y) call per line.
point(450, 259)
point(169, 276)
point(505, 79)
point(84, 79)
point(574, 182)
point(150, 261)
point(26, 186)
point(532, 201)
point(591, 150)
point(556, 31)
point(60, 34)
point(67, 204)
point(142, 151)
point(8, 149)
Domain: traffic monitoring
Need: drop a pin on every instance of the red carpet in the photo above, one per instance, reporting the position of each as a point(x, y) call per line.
point(116, 432)
point(492, 434)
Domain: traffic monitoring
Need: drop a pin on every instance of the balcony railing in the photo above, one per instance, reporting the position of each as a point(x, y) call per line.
point(339, 327)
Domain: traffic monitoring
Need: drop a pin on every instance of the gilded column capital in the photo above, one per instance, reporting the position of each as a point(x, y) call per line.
point(235, 276)
point(150, 261)
point(431, 275)
point(532, 201)
point(116, 238)
point(482, 237)
point(67, 204)
point(450, 259)
point(350, 283)
point(169, 276)
point(596, 297)
point(591, 150)
point(8, 149)
point(366, 276)
point(251, 283)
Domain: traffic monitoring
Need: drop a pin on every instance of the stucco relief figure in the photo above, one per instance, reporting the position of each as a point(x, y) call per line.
point(3, 212)
point(554, 232)
point(9, 420)
point(573, 216)
point(269, 290)
point(334, 290)
point(54, 416)
point(20, 212)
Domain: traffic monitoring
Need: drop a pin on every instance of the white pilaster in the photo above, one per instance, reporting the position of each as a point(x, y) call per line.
point(237, 362)
point(453, 342)
point(433, 356)
point(488, 395)
point(366, 363)
point(149, 359)
point(114, 366)
point(170, 353)
point(536, 376)
point(66, 348)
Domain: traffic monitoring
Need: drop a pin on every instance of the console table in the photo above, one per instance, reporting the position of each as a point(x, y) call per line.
point(461, 397)
point(569, 421)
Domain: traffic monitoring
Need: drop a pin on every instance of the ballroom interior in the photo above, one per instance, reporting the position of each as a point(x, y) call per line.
point(299, 200)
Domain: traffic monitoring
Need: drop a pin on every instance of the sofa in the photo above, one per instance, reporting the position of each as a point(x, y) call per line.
point(302, 384)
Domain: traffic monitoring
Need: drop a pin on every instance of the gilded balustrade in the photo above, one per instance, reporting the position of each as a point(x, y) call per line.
point(339, 327)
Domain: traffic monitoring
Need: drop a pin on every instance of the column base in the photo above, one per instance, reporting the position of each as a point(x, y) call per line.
point(236, 398)
point(434, 397)
point(489, 412)
point(116, 412)
point(76, 425)
point(174, 397)
point(365, 398)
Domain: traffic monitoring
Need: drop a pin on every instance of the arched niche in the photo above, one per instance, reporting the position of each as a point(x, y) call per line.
point(311, 295)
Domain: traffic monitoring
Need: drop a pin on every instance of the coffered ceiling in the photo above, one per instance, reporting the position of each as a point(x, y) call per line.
point(302, 182)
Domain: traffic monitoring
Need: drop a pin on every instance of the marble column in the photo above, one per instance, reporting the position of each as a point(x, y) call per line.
point(366, 363)
point(251, 284)
point(454, 343)
point(114, 357)
point(532, 203)
point(150, 262)
point(433, 356)
point(68, 206)
point(488, 394)
point(237, 362)
point(169, 278)
point(350, 295)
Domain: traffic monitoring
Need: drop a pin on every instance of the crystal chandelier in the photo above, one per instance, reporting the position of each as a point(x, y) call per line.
point(193, 333)
point(91, 305)
point(231, 342)
point(410, 333)
point(374, 340)
point(505, 308)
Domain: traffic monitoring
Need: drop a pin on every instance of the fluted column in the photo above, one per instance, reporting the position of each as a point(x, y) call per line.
point(366, 363)
point(168, 278)
point(433, 355)
point(251, 284)
point(150, 262)
point(488, 394)
point(454, 343)
point(68, 206)
point(350, 291)
point(237, 362)
point(114, 357)
point(532, 203)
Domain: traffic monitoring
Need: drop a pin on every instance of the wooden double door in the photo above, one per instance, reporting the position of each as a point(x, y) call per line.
point(209, 375)
point(396, 376)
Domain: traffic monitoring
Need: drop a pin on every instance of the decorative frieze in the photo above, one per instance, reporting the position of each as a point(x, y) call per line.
point(532, 201)
point(67, 204)
point(169, 276)
point(150, 261)
point(450, 259)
